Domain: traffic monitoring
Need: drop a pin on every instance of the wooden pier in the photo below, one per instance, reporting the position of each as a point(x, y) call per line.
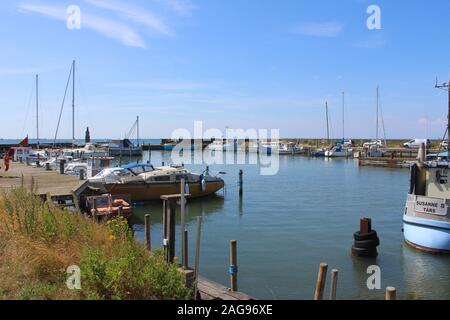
point(210, 290)
point(58, 186)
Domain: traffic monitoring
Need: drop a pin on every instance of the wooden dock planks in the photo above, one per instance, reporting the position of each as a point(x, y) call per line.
point(210, 290)
point(45, 182)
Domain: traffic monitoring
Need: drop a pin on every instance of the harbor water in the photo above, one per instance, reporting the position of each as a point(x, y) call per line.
point(288, 223)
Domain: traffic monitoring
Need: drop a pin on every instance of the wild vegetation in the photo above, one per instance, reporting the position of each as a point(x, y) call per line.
point(39, 241)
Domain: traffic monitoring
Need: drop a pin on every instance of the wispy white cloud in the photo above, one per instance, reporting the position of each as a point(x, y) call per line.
point(372, 42)
point(133, 13)
point(163, 86)
point(106, 27)
point(181, 7)
point(326, 29)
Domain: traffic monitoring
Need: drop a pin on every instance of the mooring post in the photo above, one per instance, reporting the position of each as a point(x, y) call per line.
point(165, 241)
point(241, 182)
point(233, 265)
point(147, 232)
point(365, 225)
point(82, 174)
point(391, 293)
point(182, 221)
point(171, 230)
point(334, 278)
point(47, 166)
point(62, 163)
point(320, 283)
point(185, 251)
point(94, 215)
point(197, 255)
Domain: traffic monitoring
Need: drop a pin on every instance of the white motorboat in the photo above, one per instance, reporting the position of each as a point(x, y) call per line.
point(90, 150)
point(115, 174)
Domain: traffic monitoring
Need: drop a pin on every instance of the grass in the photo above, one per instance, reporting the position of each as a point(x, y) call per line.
point(39, 241)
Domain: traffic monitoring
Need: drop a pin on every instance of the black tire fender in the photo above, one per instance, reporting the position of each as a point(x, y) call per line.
point(358, 236)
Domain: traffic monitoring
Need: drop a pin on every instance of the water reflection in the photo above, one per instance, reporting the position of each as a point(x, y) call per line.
point(195, 207)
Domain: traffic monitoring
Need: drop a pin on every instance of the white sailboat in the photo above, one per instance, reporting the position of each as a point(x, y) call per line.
point(340, 150)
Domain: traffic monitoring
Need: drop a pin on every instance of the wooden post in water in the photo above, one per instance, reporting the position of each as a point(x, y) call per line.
point(147, 232)
point(197, 255)
point(334, 278)
point(391, 293)
point(320, 283)
point(171, 230)
point(185, 251)
point(233, 265)
point(165, 228)
point(182, 222)
point(241, 182)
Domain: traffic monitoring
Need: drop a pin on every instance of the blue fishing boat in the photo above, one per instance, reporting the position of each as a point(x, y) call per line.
point(426, 220)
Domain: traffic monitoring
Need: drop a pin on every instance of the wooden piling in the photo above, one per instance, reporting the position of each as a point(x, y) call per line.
point(147, 232)
point(171, 230)
point(185, 251)
point(391, 293)
point(320, 283)
point(197, 255)
point(61, 166)
point(182, 221)
point(241, 182)
point(233, 265)
point(334, 278)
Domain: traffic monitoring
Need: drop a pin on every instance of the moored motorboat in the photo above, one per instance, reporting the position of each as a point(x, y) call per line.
point(163, 181)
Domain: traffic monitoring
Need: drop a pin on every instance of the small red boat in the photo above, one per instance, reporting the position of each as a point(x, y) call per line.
point(106, 207)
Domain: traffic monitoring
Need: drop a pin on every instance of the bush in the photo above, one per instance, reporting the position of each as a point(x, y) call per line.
point(38, 241)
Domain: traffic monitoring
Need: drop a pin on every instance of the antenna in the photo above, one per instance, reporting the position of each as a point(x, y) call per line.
point(446, 87)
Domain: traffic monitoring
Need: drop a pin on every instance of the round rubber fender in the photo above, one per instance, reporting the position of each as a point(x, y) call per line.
point(367, 244)
point(362, 252)
point(358, 236)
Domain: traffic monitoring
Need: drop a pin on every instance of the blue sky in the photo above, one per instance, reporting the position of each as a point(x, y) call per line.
point(236, 63)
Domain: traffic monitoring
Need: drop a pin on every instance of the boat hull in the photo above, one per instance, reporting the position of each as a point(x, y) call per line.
point(153, 191)
point(427, 232)
point(426, 235)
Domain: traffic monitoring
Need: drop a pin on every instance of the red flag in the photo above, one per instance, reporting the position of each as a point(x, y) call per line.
point(24, 142)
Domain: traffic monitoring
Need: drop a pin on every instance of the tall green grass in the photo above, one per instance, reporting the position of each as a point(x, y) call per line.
point(39, 240)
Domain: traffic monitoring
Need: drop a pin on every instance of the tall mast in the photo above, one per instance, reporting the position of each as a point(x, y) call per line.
point(37, 110)
point(343, 117)
point(446, 86)
point(328, 128)
point(73, 104)
point(376, 135)
point(137, 130)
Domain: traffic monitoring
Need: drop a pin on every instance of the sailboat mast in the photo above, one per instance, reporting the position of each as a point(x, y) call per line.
point(137, 130)
point(73, 104)
point(343, 117)
point(37, 110)
point(328, 127)
point(448, 118)
point(376, 132)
